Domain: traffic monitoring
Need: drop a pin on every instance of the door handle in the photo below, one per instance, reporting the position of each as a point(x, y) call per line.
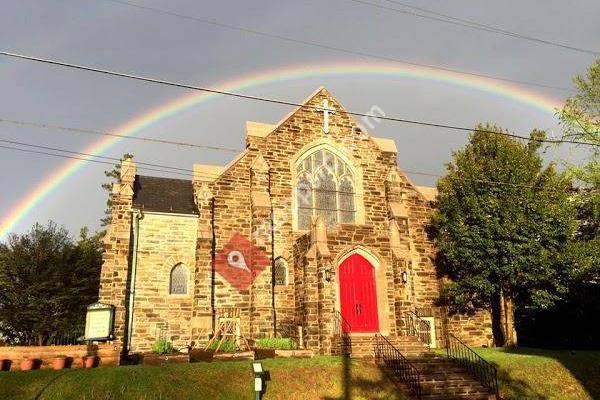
point(358, 309)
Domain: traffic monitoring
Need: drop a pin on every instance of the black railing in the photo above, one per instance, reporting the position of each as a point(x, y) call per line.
point(342, 330)
point(388, 356)
point(416, 326)
point(485, 372)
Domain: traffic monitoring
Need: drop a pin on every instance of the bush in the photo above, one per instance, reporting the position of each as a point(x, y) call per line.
point(162, 346)
point(227, 346)
point(276, 343)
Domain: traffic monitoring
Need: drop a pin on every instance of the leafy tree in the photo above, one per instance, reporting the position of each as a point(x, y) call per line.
point(502, 225)
point(46, 283)
point(580, 119)
point(113, 176)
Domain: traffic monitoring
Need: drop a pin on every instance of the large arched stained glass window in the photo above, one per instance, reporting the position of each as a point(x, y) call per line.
point(325, 188)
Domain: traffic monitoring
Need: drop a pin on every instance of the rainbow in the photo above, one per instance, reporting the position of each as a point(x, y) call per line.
point(500, 89)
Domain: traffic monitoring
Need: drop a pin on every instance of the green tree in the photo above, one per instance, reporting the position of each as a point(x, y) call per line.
point(580, 119)
point(113, 176)
point(46, 283)
point(502, 225)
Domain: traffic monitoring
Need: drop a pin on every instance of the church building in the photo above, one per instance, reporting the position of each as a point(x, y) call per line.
point(311, 229)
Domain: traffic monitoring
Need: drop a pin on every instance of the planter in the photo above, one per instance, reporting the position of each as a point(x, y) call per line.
point(163, 359)
point(59, 362)
point(89, 361)
point(27, 364)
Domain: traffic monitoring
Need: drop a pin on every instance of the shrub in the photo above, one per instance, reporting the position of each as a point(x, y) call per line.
point(276, 343)
point(162, 346)
point(227, 346)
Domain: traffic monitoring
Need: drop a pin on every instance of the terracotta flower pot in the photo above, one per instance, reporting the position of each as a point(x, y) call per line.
point(89, 361)
point(27, 364)
point(59, 362)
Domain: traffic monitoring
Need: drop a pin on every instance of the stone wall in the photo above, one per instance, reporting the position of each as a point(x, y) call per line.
point(164, 241)
point(114, 276)
point(108, 355)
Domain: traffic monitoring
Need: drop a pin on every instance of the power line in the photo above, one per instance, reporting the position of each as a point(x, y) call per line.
point(190, 173)
point(333, 48)
point(163, 166)
point(471, 24)
point(117, 135)
point(277, 101)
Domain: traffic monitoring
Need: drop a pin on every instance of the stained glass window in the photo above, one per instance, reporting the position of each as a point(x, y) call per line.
point(178, 283)
point(325, 188)
point(280, 271)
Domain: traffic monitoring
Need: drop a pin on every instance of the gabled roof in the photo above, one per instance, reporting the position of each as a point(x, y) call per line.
point(164, 195)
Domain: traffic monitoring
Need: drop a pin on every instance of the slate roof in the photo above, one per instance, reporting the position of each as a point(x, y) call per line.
point(167, 195)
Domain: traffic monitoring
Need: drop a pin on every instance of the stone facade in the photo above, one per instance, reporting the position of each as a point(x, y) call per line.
point(258, 197)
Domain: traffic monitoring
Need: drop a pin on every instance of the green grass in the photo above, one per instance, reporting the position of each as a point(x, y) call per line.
point(276, 343)
point(525, 373)
point(300, 379)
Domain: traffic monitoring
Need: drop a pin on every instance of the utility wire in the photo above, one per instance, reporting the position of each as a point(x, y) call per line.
point(190, 173)
point(277, 101)
point(470, 24)
point(332, 48)
point(163, 166)
point(104, 133)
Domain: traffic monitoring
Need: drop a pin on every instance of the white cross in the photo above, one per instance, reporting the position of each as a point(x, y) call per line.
point(326, 111)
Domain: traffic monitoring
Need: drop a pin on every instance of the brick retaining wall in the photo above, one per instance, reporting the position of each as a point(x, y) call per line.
point(108, 355)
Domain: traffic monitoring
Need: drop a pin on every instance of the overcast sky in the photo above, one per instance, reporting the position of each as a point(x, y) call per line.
point(115, 36)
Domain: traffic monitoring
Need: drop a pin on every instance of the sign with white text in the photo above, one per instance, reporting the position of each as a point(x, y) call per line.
point(99, 322)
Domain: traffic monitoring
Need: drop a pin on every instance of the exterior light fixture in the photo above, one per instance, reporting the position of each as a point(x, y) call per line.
point(258, 379)
point(328, 274)
point(404, 277)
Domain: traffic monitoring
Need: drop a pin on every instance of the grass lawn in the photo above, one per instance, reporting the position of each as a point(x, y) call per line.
point(525, 373)
point(298, 379)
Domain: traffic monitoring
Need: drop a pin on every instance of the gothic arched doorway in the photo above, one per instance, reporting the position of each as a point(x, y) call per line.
point(358, 294)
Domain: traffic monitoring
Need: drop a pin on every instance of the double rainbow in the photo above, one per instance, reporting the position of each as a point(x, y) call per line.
point(504, 90)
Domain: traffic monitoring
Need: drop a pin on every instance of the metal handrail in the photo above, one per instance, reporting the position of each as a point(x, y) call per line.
point(342, 329)
point(386, 354)
point(416, 326)
point(485, 372)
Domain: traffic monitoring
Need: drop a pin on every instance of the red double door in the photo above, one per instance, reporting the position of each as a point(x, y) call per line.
point(358, 296)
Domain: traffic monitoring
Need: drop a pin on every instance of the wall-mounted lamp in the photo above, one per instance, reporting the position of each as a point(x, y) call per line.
point(328, 274)
point(404, 277)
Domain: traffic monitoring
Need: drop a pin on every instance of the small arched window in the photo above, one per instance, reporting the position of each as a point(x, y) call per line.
point(325, 188)
point(178, 281)
point(281, 271)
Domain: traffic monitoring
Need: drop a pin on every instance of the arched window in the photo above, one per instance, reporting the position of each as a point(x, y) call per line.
point(325, 188)
point(281, 271)
point(178, 281)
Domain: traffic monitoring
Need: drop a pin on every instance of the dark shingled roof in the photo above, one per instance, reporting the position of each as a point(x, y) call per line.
point(168, 195)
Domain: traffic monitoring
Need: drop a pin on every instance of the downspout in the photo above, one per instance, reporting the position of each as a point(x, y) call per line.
point(137, 215)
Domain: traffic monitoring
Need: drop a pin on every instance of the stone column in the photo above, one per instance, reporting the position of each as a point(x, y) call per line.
point(203, 307)
point(115, 275)
point(262, 312)
point(318, 301)
point(400, 244)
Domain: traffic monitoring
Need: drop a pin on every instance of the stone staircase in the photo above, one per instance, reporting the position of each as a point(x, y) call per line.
point(441, 378)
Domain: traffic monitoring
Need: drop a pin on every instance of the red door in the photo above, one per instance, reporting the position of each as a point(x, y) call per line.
point(358, 295)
